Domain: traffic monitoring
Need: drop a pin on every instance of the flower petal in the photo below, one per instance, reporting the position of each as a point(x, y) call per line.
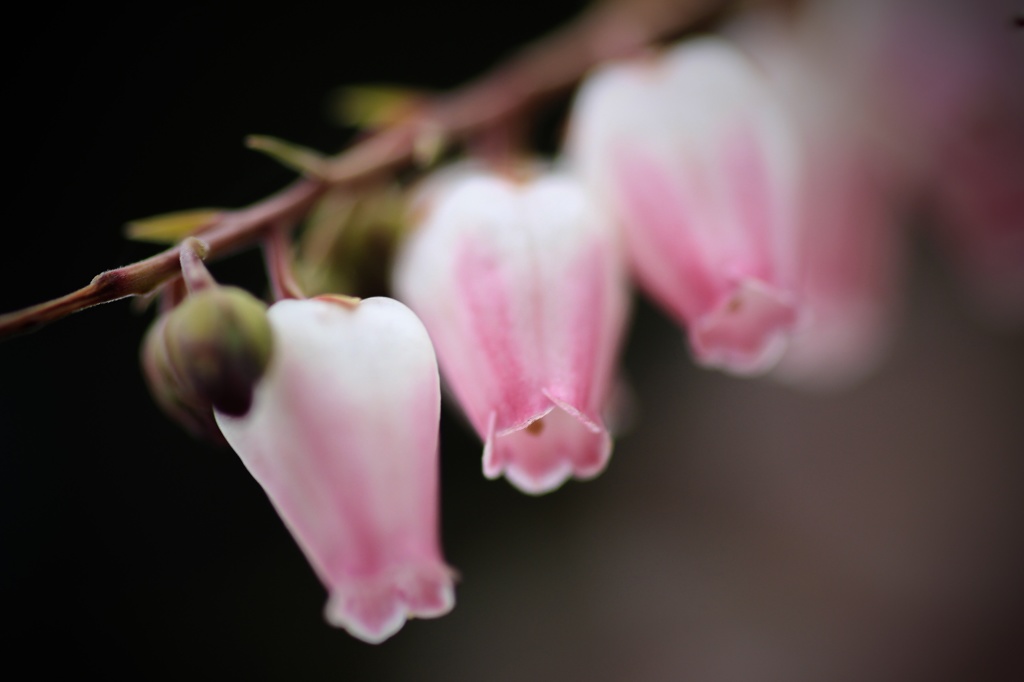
point(342, 436)
point(522, 287)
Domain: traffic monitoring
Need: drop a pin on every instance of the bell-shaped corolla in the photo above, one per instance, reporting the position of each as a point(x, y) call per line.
point(343, 437)
point(522, 287)
point(692, 154)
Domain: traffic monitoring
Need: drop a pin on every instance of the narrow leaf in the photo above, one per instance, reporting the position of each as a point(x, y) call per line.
point(170, 228)
point(374, 106)
point(302, 159)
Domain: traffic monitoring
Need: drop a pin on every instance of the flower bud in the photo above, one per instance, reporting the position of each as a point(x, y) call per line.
point(183, 406)
point(349, 241)
point(208, 352)
point(219, 343)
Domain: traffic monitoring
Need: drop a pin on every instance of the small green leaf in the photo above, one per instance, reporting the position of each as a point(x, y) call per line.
point(170, 228)
point(374, 106)
point(302, 159)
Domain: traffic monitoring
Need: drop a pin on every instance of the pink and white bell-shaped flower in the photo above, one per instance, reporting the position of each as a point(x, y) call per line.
point(343, 437)
point(522, 288)
point(694, 157)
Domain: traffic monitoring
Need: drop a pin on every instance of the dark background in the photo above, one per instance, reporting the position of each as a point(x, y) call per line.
point(743, 531)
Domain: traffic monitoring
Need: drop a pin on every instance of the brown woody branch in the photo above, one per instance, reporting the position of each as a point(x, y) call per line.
point(610, 29)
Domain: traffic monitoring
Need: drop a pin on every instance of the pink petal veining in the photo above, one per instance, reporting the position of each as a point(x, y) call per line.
point(343, 437)
point(697, 161)
point(523, 292)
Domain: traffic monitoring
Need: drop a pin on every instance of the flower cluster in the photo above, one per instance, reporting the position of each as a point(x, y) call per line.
point(752, 186)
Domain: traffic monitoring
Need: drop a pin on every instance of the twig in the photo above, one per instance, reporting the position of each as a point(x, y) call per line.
point(234, 231)
point(610, 29)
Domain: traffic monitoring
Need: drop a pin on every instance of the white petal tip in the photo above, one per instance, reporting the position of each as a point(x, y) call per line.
point(374, 613)
point(566, 448)
point(539, 483)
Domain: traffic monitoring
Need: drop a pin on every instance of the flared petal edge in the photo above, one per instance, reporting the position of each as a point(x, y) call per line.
point(540, 455)
point(375, 607)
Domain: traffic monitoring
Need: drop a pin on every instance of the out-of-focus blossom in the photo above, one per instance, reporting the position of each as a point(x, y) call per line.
point(938, 83)
point(918, 70)
point(850, 245)
point(521, 286)
point(343, 437)
point(694, 156)
point(849, 271)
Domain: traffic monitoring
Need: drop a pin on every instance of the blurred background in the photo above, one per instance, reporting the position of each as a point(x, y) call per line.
point(744, 531)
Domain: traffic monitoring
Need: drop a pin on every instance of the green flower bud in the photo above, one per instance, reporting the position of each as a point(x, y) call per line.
point(184, 407)
point(209, 352)
point(349, 241)
point(218, 344)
